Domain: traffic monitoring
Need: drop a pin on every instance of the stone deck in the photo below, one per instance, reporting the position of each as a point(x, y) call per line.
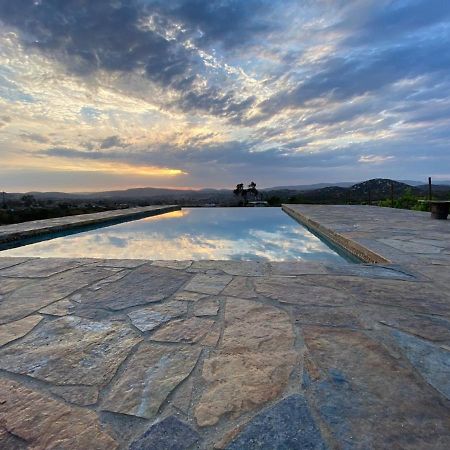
point(105, 354)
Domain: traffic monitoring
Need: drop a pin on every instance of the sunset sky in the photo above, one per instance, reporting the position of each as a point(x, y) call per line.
point(108, 94)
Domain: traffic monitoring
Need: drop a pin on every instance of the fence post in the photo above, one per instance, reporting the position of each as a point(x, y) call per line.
point(430, 193)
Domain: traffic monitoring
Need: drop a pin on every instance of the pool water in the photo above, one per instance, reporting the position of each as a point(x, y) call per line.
point(189, 234)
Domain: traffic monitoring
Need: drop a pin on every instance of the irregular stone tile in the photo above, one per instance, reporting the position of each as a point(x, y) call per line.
point(182, 397)
point(411, 246)
point(240, 287)
point(311, 372)
point(419, 297)
point(147, 319)
point(89, 311)
point(253, 365)
point(71, 350)
point(40, 268)
point(441, 242)
point(187, 296)
point(431, 361)
point(79, 395)
point(242, 382)
point(369, 399)
point(11, 261)
point(179, 265)
point(299, 292)
point(229, 435)
point(212, 338)
point(44, 423)
point(370, 271)
point(152, 373)
point(326, 316)
point(15, 330)
point(208, 284)
point(188, 331)
point(120, 263)
point(169, 434)
point(61, 308)
point(39, 293)
point(433, 328)
point(297, 268)
point(207, 307)
point(242, 268)
point(251, 326)
point(117, 276)
point(10, 284)
point(143, 285)
point(286, 425)
point(10, 442)
point(437, 273)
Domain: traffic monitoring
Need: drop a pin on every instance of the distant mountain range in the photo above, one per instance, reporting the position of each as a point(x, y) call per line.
point(378, 188)
point(310, 187)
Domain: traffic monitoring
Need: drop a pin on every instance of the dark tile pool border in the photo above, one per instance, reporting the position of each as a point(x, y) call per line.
point(16, 232)
point(348, 245)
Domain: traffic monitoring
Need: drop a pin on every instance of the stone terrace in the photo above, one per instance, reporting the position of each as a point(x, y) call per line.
point(104, 354)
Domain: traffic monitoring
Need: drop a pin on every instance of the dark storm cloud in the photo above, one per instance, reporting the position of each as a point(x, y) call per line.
point(217, 103)
point(112, 141)
point(100, 34)
point(232, 23)
point(228, 154)
point(109, 35)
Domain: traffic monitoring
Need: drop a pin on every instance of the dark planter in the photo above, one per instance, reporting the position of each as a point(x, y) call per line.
point(439, 210)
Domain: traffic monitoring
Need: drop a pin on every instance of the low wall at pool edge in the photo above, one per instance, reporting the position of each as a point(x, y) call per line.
point(45, 226)
point(350, 246)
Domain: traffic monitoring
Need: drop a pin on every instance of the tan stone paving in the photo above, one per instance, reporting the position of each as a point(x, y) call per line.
point(220, 354)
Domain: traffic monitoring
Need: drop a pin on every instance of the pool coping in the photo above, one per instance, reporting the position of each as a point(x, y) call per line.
point(15, 232)
point(361, 252)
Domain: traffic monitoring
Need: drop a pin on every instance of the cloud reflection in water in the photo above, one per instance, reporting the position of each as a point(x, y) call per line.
point(193, 233)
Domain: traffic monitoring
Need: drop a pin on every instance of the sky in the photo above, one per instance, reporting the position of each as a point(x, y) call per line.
point(115, 94)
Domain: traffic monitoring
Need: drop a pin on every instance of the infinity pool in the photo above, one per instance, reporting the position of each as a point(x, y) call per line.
point(192, 233)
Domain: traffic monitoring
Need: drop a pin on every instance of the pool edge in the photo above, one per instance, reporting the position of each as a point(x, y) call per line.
point(348, 245)
point(85, 219)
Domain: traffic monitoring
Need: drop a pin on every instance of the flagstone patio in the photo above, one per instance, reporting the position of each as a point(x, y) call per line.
point(130, 354)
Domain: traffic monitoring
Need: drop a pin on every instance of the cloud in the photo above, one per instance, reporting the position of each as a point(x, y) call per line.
point(135, 37)
point(371, 23)
point(35, 137)
point(4, 120)
point(227, 154)
point(374, 159)
point(112, 141)
point(340, 79)
point(230, 23)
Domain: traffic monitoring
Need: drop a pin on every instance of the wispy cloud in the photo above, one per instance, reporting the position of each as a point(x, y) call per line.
point(374, 159)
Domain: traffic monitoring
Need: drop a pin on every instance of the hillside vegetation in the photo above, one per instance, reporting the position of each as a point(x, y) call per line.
point(20, 207)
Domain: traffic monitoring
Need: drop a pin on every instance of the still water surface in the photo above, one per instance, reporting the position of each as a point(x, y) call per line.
point(192, 233)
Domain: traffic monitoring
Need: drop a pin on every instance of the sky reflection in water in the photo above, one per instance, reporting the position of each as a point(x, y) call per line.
point(193, 233)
